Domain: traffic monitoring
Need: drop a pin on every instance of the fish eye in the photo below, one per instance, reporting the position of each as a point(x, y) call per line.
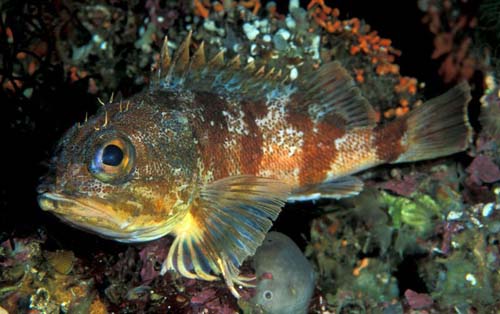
point(268, 294)
point(112, 159)
point(112, 155)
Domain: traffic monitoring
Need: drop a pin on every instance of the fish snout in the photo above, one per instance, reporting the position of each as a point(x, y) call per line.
point(46, 202)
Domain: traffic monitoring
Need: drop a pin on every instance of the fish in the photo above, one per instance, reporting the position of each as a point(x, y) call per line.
point(285, 278)
point(216, 146)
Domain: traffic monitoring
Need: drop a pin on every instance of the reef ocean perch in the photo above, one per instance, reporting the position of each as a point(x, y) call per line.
point(215, 148)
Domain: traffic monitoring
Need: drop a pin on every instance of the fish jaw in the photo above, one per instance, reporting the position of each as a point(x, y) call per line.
point(102, 219)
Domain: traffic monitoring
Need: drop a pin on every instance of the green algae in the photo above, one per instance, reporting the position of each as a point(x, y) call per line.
point(418, 211)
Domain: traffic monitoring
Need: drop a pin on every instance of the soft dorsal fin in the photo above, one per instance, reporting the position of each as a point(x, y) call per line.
point(330, 94)
point(224, 226)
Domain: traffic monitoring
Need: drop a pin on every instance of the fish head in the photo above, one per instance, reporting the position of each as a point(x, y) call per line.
point(125, 174)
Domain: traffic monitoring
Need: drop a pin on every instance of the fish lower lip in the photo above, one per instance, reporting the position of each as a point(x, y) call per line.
point(48, 201)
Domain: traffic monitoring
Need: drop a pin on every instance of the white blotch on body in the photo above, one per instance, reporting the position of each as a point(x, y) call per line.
point(276, 134)
point(236, 124)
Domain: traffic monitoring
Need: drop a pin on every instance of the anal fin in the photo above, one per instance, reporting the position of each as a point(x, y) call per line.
point(336, 189)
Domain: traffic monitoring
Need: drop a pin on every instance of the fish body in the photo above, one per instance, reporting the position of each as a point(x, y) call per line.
point(214, 149)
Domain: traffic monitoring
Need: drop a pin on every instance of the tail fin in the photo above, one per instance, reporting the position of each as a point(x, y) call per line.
point(439, 127)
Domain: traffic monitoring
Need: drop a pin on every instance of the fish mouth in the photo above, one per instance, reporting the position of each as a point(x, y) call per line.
point(97, 217)
point(66, 206)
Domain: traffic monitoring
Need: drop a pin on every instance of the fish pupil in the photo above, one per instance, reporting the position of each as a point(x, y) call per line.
point(112, 155)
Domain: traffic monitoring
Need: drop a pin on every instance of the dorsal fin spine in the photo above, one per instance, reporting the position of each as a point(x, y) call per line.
point(182, 56)
point(198, 59)
point(217, 60)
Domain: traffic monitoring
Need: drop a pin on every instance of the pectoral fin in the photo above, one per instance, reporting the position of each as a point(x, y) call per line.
point(224, 226)
point(338, 188)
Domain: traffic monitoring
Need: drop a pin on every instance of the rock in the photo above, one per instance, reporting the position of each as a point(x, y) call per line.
point(418, 301)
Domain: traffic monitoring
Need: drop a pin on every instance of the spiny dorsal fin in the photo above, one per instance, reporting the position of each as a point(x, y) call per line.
point(250, 67)
point(198, 59)
point(224, 226)
point(260, 72)
point(270, 74)
point(165, 59)
point(234, 63)
point(278, 74)
point(194, 72)
point(182, 56)
point(217, 60)
point(330, 93)
point(159, 70)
